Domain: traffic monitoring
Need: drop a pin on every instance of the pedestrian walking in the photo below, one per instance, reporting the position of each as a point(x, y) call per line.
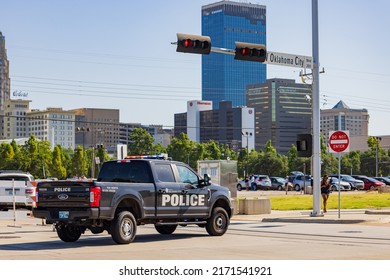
point(325, 190)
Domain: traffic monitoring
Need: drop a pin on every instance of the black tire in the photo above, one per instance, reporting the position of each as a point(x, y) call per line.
point(165, 229)
point(280, 188)
point(218, 223)
point(68, 232)
point(239, 187)
point(297, 188)
point(123, 228)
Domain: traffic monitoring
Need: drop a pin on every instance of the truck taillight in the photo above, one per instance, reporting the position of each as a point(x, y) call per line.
point(94, 196)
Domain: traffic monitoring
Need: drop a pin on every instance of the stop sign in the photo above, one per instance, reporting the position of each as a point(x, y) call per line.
point(339, 141)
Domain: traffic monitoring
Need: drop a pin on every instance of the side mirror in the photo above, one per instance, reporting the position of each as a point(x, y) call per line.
point(206, 180)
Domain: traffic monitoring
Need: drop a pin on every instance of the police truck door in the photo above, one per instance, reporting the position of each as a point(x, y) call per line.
point(176, 196)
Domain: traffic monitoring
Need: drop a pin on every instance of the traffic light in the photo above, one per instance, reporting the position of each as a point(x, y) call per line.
point(304, 145)
point(188, 43)
point(250, 52)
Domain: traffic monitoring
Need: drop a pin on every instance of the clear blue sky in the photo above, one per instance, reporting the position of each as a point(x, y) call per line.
point(117, 54)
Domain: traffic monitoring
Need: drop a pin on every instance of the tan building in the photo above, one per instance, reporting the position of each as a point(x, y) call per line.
point(54, 125)
point(341, 117)
point(96, 126)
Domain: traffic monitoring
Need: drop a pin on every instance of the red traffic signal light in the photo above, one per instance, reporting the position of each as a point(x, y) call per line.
point(188, 43)
point(250, 52)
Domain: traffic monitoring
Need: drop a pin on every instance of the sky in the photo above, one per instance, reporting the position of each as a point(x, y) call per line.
point(118, 54)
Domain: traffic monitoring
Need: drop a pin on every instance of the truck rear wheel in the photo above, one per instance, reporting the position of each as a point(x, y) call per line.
point(68, 232)
point(165, 229)
point(218, 223)
point(124, 228)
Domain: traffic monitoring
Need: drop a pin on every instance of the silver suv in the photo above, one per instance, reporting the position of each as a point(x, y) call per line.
point(301, 181)
point(260, 182)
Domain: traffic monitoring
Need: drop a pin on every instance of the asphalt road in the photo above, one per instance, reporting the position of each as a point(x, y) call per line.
point(245, 240)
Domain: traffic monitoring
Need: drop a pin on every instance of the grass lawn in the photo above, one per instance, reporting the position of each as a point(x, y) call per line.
point(369, 200)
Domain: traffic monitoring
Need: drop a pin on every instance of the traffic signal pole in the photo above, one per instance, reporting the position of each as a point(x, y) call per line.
point(316, 115)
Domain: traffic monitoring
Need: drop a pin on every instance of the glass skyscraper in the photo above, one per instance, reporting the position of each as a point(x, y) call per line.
point(223, 77)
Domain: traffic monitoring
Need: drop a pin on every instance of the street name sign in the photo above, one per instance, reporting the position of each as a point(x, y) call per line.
point(285, 59)
point(338, 141)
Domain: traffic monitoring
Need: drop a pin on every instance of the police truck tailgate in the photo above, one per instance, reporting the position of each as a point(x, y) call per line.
point(64, 194)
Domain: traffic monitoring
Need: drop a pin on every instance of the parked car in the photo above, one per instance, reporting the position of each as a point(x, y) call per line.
point(342, 185)
point(385, 180)
point(369, 182)
point(260, 182)
point(301, 181)
point(278, 183)
point(355, 183)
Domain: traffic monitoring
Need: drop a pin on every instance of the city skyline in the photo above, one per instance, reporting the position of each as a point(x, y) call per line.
point(96, 55)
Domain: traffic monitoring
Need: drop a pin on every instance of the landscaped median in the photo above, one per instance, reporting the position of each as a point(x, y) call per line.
point(348, 200)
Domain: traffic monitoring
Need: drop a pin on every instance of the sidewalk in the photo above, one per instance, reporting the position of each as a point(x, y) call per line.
point(346, 216)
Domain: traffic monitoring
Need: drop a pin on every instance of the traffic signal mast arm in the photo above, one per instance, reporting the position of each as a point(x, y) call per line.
point(197, 44)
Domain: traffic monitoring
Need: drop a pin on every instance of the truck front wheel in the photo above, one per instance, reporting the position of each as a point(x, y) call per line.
point(218, 223)
point(124, 228)
point(68, 232)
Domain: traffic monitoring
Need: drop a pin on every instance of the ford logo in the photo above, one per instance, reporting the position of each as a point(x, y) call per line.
point(63, 196)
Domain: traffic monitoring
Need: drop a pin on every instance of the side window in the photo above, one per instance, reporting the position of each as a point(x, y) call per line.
point(164, 173)
point(187, 175)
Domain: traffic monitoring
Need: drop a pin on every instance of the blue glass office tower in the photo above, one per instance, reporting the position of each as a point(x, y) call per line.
point(223, 77)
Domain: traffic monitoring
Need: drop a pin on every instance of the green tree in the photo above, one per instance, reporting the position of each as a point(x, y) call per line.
point(296, 163)
point(212, 151)
point(141, 142)
point(57, 169)
point(181, 148)
point(158, 149)
point(271, 163)
point(7, 155)
point(79, 164)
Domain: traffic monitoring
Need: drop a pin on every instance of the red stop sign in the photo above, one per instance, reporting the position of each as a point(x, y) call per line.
point(338, 141)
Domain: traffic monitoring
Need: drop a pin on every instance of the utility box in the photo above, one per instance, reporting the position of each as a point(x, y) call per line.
point(222, 172)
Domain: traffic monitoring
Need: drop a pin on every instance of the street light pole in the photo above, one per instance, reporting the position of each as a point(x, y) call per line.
point(378, 139)
point(247, 134)
point(316, 114)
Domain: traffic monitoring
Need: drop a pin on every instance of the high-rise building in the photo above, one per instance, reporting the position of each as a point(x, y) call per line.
point(283, 110)
point(226, 22)
point(5, 84)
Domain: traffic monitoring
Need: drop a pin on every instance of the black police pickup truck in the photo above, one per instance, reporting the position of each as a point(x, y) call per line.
point(132, 192)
